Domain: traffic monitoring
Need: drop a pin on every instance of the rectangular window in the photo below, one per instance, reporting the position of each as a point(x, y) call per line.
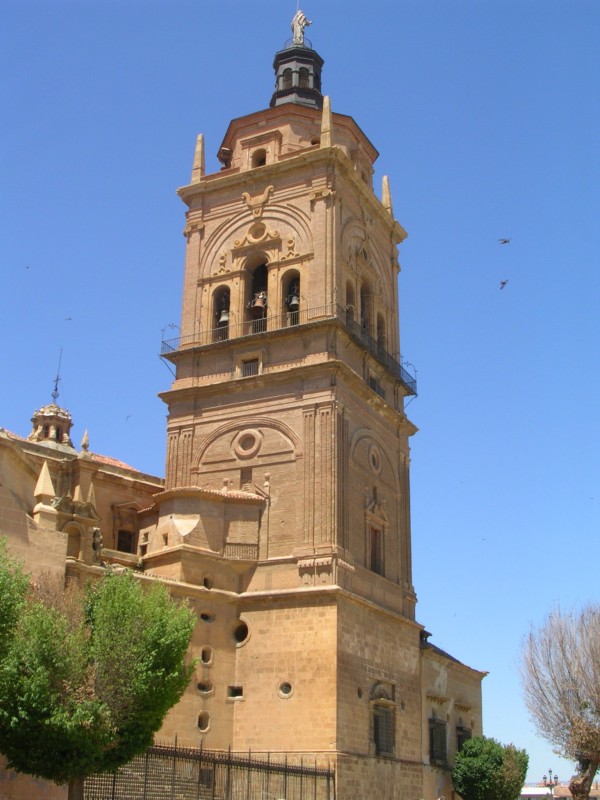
point(376, 551)
point(462, 736)
point(383, 730)
point(249, 367)
point(246, 478)
point(438, 753)
point(235, 691)
point(125, 542)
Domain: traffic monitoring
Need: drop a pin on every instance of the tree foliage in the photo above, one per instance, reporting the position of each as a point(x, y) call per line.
point(484, 769)
point(86, 678)
point(561, 684)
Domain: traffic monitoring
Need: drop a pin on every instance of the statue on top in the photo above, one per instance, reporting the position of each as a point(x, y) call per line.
point(298, 24)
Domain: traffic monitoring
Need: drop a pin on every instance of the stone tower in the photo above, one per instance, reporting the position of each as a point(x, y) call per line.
point(286, 506)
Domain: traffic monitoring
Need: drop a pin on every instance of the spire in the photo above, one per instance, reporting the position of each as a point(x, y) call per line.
point(198, 170)
point(326, 124)
point(44, 513)
point(298, 69)
point(386, 195)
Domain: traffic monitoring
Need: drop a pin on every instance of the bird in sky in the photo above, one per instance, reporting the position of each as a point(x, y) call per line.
point(503, 283)
point(504, 241)
point(68, 319)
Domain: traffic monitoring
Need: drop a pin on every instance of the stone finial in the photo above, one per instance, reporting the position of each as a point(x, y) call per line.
point(386, 195)
point(85, 442)
point(44, 487)
point(326, 124)
point(198, 170)
point(44, 514)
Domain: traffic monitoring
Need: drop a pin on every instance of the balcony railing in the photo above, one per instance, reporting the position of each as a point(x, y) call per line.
point(306, 316)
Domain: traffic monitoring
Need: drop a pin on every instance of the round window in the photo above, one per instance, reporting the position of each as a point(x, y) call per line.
point(240, 632)
point(285, 689)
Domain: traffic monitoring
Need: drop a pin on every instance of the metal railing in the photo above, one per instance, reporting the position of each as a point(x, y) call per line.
point(358, 332)
point(176, 773)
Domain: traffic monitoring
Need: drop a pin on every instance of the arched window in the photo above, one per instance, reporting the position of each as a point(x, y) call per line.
point(303, 78)
point(259, 158)
point(366, 306)
point(256, 304)
point(287, 79)
point(350, 302)
point(381, 340)
point(291, 297)
point(221, 302)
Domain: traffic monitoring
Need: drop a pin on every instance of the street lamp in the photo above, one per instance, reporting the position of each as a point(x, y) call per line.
point(551, 782)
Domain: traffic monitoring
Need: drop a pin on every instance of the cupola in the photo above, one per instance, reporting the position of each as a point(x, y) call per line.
point(52, 423)
point(298, 69)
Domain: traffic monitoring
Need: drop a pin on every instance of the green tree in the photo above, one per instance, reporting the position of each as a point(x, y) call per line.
point(86, 678)
point(560, 670)
point(484, 769)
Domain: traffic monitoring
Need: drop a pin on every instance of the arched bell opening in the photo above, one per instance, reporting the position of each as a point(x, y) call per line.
point(350, 302)
point(221, 313)
point(291, 296)
point(256, 293)
point(259, 158)
point(303, 78)
point(381, 336)
point(286, 78)
point(366, 306)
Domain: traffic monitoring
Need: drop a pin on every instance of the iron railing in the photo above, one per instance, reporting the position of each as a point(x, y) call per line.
point(175, 773)
point(306, 316)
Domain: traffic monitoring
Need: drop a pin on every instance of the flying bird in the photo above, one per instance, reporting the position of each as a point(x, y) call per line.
point(504, 241)
point(68, 319)
point(503, 283)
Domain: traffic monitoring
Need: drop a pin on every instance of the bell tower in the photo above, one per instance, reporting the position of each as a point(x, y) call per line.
point(287, 479)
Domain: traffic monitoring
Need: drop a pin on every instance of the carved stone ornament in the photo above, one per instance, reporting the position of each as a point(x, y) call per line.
point(193, 226)
point(222, 265)
point(258, 232)
point(321, 194)
point(290, 244)
point(257, 204)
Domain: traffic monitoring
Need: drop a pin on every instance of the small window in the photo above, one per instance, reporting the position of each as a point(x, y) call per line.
point(206, 616)
point(383, 730)
point(462, 736)
point(287, 79)
point(249, 367)
point(438, 753)
point(383, 709)
point(206, 655)
point(204, 721)
point(375, 550)
point(205, 687)
point(240, 632)
point(259, 158)
point(303, 78)
point(235, 691)
point(245, 476)
point(125, 540)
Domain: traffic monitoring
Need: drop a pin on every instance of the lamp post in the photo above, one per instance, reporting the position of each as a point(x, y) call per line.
point(551, 781)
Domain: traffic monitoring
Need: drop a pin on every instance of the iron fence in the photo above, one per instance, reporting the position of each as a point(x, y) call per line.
point(175, 773)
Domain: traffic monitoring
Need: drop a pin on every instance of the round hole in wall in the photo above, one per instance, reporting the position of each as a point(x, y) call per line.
point(206, 655)
point(203, 720)
point(240, 632)
point(207, 582)
point(359, 692)
point(206, 616)
point(285, 689)
point(247, 443)
point(205, 687)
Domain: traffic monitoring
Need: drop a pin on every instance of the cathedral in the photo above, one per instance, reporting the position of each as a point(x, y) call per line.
point(284, 514)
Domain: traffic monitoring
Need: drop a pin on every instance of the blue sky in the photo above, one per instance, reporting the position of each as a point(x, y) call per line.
point(487, 117)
